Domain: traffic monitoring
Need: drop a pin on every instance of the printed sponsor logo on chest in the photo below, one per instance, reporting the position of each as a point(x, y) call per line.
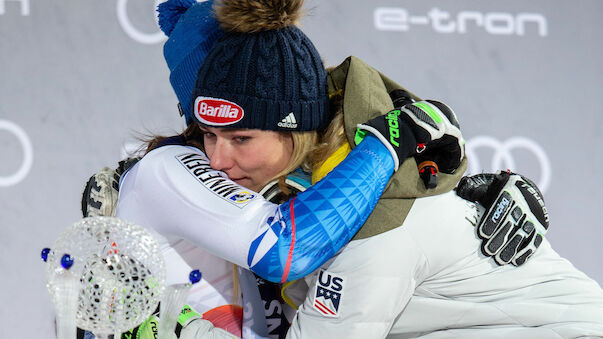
point(217, 112)
point(199, 167)
point(328, 294)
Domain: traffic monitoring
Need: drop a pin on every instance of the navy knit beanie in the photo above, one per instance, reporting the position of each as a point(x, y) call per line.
point(261, 73)
point(192, 31)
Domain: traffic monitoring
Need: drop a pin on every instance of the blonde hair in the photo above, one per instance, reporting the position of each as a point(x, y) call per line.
point(331, 140)
point(333, 136)
point(303, 144)
point(310, 149)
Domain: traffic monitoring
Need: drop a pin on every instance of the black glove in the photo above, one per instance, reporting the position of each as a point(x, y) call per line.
point(428, 129)
point(102, 189)
point(516, 218)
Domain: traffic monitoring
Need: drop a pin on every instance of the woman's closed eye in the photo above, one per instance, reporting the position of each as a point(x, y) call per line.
point(241, 139)
point(208, 135)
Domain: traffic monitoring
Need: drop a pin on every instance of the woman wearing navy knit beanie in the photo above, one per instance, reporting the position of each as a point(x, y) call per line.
point(262, 106)
point(262, 98)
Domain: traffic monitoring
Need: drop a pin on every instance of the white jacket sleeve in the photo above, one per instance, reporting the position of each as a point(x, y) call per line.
point(174, 192)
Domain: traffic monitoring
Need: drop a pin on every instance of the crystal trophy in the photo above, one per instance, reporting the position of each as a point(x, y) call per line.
point(104, 275)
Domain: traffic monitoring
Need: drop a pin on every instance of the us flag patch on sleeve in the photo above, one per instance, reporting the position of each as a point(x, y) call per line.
point(328, 294)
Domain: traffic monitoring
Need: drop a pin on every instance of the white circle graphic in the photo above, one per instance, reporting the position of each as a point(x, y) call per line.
point(503, 157)
point(133, 32)
point(25, 167)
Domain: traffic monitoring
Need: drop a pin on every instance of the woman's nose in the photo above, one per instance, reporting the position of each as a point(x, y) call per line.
point(221, 157)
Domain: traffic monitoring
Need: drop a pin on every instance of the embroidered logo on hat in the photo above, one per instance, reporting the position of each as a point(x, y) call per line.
point(288, 122)
point(217, 112)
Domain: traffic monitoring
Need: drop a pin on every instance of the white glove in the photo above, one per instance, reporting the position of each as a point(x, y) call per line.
point(102, 190)
point(199, 328)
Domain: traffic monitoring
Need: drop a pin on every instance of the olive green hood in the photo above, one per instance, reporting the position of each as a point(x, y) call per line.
point(365, 96)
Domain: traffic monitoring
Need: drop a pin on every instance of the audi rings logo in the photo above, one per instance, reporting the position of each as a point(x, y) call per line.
point(133, 32)
point(503, 157)
point(25, 167)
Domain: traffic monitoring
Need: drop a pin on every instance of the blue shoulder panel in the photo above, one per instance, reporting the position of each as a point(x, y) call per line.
point(317, 223)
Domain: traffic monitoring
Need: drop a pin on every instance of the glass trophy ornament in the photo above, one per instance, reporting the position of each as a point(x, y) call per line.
point(104, 275)
point(172, 302)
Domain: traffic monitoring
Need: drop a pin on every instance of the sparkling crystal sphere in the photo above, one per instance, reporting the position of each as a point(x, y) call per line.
point(120, 269)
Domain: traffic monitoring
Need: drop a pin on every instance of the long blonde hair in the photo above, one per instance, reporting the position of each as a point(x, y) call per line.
point(311, 149)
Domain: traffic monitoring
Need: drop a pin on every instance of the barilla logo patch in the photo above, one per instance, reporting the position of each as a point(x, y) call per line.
point(328, 294)
point(217, 112)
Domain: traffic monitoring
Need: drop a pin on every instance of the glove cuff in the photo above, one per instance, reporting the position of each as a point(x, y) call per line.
point(361, 133)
